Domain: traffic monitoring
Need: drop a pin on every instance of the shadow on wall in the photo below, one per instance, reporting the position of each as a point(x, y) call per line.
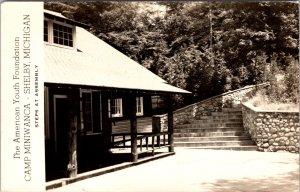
point(288, 182)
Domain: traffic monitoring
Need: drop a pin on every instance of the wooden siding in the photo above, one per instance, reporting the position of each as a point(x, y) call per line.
point(143, 125)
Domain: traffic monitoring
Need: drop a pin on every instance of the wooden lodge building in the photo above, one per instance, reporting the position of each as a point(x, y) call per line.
point(96, 99)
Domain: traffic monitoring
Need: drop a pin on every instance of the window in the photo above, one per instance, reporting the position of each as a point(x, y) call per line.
point(91, 111)
point(139, 106)
point(46, 31)
point(60, 34)
point(157, 105)
point(46, 114)
point(115, 107)
point(87, 111)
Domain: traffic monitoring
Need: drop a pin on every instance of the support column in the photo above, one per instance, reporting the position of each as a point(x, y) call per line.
point(133, 127)
point(72, 134)
point(170, 124)
point(106, 122)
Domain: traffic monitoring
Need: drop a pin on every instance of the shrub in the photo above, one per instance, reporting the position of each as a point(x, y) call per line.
point(291, 81)
point(276, 90)
point(283, 92)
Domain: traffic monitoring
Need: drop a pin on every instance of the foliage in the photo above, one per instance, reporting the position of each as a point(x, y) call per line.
point(207, 48)
point(283, 90)
point(291, 81)
point(261, 101)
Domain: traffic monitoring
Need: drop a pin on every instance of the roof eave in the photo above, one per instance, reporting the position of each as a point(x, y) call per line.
point(66, 20)
point(179, 91)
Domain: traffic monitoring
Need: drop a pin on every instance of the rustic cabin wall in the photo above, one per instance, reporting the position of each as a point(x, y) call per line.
point(57, 142)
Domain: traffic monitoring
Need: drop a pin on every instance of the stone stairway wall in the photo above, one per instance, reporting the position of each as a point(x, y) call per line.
point(220, 130)
point(231, 99)
point(215, 123)
point(272, 130)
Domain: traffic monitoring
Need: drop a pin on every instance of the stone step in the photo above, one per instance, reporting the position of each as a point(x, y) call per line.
point(211, 134)
point(219, 120)
point(231, 109)
point(220, 130)
point(197, 130)
point(220, 113)
point(214, 143)
point(227, 117)
point(209, 125)
point(234, 148)
point(222, 116)
point(218, 138)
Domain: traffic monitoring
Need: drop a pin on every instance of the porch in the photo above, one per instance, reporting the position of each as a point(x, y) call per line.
point(151, 141)
point(126, 149)
point(84, 134)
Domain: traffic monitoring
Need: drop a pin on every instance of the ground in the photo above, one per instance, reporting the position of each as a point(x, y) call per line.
point(202, 171)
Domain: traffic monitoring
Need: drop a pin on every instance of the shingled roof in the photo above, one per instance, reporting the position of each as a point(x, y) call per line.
point(99, 64)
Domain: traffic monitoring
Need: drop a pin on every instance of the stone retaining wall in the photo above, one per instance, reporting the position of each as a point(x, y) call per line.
point(272, 131)
point(231, 99)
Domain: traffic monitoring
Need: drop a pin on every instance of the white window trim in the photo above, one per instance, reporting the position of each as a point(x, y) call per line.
point(121, 108)
point(139, 113)
point(50, 34)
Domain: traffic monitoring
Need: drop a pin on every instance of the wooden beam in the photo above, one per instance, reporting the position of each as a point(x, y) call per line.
point(72, 167)
point(170, 124)
point(133, 127)
point(106, 122)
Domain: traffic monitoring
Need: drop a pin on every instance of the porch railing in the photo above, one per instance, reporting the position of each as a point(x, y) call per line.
point(145, 141)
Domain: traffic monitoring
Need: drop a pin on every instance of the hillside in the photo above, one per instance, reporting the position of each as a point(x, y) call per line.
point(206, 48)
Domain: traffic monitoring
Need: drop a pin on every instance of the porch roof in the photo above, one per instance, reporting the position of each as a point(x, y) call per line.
point(95, 63)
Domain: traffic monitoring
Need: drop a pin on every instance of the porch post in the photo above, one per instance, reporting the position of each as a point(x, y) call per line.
point(72, 134)
point(106, 124)
point(133, 127)
point(170, 123)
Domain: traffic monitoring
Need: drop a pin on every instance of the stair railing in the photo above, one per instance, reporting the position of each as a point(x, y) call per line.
point(147, 141)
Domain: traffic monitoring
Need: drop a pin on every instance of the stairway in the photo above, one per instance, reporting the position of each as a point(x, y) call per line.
point(221, 130)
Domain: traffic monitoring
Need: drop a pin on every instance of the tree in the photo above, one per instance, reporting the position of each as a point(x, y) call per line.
point(204, 47)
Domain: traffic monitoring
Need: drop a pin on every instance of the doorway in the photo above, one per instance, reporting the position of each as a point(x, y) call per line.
point(56, 164)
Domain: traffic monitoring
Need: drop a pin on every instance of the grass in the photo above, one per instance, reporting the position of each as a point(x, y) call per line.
point(262, 102)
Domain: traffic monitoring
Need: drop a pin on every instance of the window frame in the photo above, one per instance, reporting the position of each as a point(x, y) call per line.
point(63, 35)
point(46, 114)
point(83, 113)
point(46, 29)
point(51, 34)
point(93, 129)
point(141, 112)
point(110, 107)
